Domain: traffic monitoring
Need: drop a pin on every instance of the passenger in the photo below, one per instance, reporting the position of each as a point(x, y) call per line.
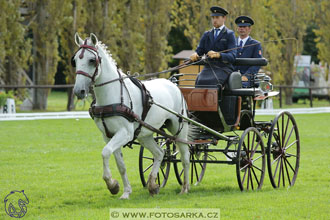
point(217, 44)
point(244, 28)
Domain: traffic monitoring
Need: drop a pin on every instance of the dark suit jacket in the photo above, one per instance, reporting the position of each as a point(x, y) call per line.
point(249, 52)
point(225, 40)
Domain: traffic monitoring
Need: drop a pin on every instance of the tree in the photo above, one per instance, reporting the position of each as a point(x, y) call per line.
point(76, 17)
point(323, 33)
point(157, 27)
point(310, 47)
point(193, 17)
point(15, 49)
point(49, 17)
point(291, 22)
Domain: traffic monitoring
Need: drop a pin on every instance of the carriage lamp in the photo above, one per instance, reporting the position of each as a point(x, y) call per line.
point(266, 86)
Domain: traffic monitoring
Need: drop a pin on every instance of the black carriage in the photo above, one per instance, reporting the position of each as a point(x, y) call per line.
point(219, 114)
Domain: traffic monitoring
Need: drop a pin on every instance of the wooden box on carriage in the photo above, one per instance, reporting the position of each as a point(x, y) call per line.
point(201, 99)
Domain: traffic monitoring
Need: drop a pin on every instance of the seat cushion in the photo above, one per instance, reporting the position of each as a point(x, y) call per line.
point(234, 81)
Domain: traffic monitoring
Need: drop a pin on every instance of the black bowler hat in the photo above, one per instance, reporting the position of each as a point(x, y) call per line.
point(243, 21)
point(218, 11)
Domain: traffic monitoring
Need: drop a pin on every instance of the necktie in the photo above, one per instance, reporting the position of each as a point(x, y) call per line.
point(240, 46)
point(216, 32)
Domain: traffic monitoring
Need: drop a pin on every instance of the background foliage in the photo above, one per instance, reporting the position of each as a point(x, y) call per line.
point(37, 35)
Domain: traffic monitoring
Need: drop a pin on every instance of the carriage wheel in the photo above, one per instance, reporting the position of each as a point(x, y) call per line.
point(197, 169)
point(251, 160)
point(146, 162)
point(283, 151)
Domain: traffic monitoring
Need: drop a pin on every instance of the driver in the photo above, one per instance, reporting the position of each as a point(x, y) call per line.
point(219, 45)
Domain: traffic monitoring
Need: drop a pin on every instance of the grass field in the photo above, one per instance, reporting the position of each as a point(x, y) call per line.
point(59, 165)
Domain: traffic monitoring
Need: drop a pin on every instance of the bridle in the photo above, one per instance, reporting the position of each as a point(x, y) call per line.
point(97, 60)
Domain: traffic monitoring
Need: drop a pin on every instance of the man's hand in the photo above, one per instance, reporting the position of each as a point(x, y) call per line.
point(194, 57)
point(245, 79)
point(213, 54)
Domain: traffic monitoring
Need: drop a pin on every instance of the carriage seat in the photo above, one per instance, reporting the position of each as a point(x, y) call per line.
point(234, 86)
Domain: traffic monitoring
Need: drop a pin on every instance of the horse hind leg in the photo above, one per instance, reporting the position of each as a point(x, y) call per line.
point(173, 127)
point(158, 154)
point(185, 160)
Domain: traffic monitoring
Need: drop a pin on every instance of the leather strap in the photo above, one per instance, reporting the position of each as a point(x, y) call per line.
point(97, 59)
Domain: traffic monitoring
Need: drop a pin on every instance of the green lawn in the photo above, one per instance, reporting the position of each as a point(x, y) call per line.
point(59, 165)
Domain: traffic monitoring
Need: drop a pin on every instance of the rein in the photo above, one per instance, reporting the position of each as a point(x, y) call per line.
point(183, 65)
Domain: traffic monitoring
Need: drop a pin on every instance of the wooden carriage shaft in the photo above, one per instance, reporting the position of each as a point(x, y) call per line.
point(221, 136)
point(202, 161)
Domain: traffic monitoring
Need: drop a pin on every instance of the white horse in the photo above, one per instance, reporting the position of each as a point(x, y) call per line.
point(95, 67)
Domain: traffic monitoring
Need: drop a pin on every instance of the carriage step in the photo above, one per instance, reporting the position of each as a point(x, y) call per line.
point(264, 125)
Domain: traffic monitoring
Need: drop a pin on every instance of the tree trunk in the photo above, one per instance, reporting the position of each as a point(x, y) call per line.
point(288, 96)
point(42, 61)
point(289, 57)
point(70, 103)
point(40, 99)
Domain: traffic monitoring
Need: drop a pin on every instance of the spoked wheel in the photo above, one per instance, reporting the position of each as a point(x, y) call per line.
point(251, 160)
point(197, 169)
point(146, 162)
point(283, 151)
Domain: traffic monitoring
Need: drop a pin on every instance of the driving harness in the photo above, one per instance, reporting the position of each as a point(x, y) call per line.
point(120, 109)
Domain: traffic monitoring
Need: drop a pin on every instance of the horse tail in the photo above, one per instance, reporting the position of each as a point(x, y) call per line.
point(194, 132)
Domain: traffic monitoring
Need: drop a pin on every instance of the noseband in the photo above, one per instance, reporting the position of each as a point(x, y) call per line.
point(97, 60)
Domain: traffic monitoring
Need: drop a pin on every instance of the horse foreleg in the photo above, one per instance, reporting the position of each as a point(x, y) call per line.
point(118, 140)
point(158, 154)
point(122, 170)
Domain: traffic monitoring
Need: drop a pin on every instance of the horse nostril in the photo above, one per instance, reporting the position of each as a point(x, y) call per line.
point(82, 92)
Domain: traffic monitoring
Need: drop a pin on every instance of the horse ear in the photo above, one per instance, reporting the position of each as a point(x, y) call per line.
point(78, 40)
point(93, 38)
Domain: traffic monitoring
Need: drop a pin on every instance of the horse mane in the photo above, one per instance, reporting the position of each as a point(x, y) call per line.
point(107, 52)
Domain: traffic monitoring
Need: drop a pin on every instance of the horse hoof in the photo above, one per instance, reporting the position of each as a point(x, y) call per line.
point(154, 190)
point(125, 196)
point(184, 192)
point(114, 189)
point(185, 189)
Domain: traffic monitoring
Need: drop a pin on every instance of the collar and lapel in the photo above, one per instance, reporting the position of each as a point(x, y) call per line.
point(222, 32)
point(246, 43)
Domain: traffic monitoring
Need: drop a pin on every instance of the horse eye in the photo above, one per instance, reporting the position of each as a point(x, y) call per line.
point(92, 61)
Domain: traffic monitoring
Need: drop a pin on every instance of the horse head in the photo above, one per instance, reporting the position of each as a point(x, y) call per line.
point(87, 63)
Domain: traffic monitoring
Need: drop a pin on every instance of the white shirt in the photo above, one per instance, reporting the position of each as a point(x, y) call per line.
point(219, 28)
point(244, 41)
